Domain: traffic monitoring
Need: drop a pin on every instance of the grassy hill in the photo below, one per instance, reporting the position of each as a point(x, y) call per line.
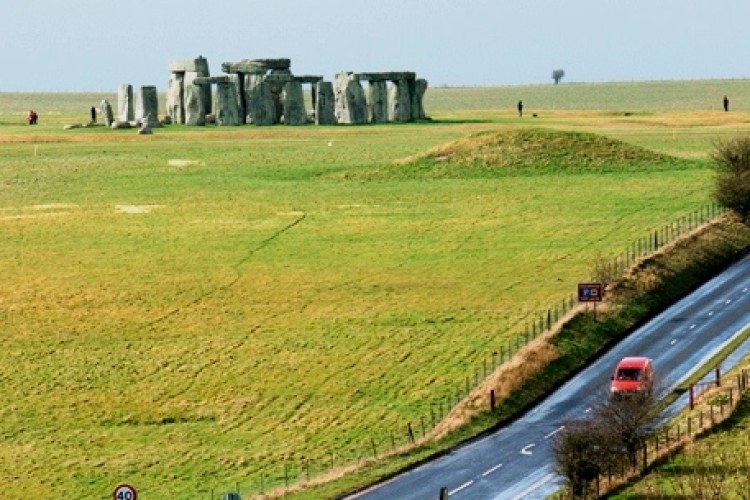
point(206, 309)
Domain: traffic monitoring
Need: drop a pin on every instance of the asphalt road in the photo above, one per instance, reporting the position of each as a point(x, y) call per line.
point(516, 461)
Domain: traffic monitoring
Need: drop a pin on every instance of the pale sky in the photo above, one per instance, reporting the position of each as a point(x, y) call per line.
point(94, 45)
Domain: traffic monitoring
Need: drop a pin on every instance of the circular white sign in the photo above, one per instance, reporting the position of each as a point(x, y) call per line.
point(125, 492)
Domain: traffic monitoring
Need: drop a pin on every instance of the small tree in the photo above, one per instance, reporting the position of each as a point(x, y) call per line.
point(612, 434)
point(629, 419)
point(557, 75)
point(732, 160)
point(579, 456)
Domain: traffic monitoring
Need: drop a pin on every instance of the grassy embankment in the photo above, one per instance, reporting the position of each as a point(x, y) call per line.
point(192, 310)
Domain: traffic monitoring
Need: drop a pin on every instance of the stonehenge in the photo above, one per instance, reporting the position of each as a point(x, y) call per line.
point(266, 92)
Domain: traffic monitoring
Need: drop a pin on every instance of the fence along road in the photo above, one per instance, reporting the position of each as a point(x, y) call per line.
point(516, 461)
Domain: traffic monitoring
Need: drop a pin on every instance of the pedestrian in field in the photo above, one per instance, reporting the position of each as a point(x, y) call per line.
point(520, 108)
point(32, 117)
point(93, 114)
point(726, 103)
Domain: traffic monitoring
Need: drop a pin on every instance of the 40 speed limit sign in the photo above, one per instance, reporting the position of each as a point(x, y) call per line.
point(124, 492)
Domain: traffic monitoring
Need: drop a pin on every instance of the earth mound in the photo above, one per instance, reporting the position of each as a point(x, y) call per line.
point(523, 152)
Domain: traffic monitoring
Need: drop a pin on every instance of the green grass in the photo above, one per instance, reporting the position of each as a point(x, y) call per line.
point(190, 325)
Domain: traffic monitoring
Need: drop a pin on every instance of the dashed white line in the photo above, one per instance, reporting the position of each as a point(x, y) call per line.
point(554, 432)
point(462, 487)
point(490, 471)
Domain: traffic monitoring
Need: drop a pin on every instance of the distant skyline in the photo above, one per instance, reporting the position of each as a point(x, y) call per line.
point(94, 45)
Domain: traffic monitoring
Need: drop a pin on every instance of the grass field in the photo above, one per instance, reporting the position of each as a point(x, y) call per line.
point(186, 310)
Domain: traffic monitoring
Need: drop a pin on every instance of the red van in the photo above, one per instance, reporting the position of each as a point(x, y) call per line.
point(632, 374)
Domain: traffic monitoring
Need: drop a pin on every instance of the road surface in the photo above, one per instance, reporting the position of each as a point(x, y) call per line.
point(516, 461)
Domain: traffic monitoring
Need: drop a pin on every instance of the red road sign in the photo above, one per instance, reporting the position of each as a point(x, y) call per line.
point(590, 292)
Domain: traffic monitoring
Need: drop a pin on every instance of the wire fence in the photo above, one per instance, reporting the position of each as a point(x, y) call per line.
point(299, 471)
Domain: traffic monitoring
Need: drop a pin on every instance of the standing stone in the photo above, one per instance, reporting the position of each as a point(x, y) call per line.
point(325, 104)
point(147, 105)
point(261, 107)
point(417, 103)
point(125, 109)
point(377, 103)
point(105, 110)
point(276, 85)
point(195, 113)
point(227, 108)
point(400, 101)
point(238, 80)
point(351, 106)
point(294, 104)
point(201, 70)
point(176, 98)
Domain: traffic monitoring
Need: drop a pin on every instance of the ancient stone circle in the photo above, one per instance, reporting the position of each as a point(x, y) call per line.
point(265, 92)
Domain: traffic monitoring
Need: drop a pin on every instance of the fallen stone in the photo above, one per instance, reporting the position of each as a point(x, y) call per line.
point(121, 124)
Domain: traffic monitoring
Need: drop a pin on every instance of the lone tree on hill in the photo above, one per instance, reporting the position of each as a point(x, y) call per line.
point(557, 75)
point(732, 189)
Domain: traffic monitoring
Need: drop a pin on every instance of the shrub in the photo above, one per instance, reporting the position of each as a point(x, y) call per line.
point(732, 189)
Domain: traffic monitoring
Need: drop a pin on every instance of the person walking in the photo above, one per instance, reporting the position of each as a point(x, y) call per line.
point(520, 108)
point(93, 114)
point(726, 103)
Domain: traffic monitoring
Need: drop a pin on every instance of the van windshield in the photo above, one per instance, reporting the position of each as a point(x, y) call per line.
point(629, 374)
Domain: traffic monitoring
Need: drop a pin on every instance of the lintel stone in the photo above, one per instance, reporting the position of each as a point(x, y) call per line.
point(385, 76)
point(208, 80)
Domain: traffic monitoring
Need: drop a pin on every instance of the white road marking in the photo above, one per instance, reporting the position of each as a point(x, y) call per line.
point(462, 487)
point(525, 449)
point(525, 493)
point(490, 471)
point(554, 432)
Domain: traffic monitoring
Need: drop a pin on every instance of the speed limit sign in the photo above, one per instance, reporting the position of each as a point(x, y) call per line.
point(125, 492)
